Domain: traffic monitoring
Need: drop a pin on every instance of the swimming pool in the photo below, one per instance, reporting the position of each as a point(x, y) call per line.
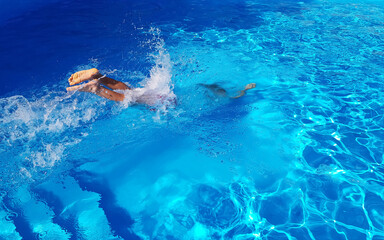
point(299, 157)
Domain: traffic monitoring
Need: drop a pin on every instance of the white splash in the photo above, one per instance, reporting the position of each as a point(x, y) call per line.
point(34, 134)
point(157, 89)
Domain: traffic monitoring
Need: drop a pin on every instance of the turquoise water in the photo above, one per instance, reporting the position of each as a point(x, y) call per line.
point(299, 157)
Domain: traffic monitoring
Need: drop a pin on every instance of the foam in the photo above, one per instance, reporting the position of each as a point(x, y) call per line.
point(36, 133)
point(34, 144)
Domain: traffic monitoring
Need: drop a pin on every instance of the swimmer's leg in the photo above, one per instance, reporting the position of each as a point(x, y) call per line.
point(93, 73)
point(247, 87)
point(95, 87)
point(113, 84)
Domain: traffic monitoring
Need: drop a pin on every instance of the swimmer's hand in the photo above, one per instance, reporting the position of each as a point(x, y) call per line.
point(249, 86)
point(246, 88)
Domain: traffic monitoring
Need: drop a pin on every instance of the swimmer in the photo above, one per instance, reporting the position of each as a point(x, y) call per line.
point(105, 87)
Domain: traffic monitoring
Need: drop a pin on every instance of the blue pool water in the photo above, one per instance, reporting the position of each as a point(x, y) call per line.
point(299, 157)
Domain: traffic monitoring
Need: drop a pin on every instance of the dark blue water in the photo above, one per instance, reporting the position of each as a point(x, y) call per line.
point(299, 157)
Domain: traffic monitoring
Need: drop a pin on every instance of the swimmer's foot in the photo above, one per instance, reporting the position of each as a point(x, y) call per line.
point(82, 76)
point(92, 86)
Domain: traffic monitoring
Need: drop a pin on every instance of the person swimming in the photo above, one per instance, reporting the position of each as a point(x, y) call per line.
point(115, 90)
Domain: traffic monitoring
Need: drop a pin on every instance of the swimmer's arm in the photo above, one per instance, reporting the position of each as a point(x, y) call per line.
point(242, 92)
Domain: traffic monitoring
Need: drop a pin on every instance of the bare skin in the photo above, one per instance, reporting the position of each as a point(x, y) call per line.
point(84, 75)
point(103, 86)
point(246, 88)
point(219, 91)
point(96, 84)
